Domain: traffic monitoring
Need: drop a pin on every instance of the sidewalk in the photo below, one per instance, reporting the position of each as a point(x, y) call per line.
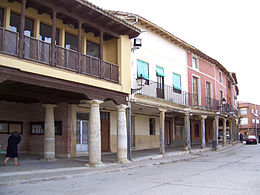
point(32, 169)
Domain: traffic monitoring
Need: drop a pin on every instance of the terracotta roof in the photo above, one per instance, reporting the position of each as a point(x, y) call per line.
point(109, 14)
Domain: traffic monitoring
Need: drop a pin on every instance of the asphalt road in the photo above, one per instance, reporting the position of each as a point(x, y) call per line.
point(234, 172)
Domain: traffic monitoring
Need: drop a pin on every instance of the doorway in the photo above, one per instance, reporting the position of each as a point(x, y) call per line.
point(105, 131)
point(82, 135)
point(168, 131)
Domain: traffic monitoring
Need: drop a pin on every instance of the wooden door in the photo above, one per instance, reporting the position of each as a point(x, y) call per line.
point(168, 131)
point(105, 136)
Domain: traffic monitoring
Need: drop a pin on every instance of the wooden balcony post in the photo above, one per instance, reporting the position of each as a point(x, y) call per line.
point(79, 46)
point(21, 33)
point(101, 55)
point(53, 37)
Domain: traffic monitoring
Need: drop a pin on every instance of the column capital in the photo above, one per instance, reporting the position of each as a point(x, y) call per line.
point(162, 109)
point(203, 117)
point(95, 102)
point(187, 114)
point(121, 107)
point(49, 106)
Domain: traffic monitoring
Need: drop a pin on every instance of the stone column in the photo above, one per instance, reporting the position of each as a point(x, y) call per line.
point(224, 132)
point(49, 133)
point(121, 135)
point(202, 126)
point(94, 133)
point(162, 118)
point(231, 132)
point(187, 146)
point(215, 136)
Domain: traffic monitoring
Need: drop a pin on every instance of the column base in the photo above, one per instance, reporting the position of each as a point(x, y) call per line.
point(123, 161)
point(187, 149)
point(94, 165)
point(49, 159)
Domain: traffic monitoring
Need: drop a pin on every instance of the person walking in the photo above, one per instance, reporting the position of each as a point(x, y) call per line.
point(11, 151)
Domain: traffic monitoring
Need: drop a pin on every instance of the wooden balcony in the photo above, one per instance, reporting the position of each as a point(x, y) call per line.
point(71, 60)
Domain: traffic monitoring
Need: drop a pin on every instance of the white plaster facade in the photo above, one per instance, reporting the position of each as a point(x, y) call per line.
point(157, 51)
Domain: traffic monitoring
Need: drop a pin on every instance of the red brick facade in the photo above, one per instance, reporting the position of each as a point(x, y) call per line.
point(27, 113)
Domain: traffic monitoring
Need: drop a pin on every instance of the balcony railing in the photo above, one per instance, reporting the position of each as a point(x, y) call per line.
point(66, 58)
point(179, 97)
point(169, 94)
point(8, 42)
point(40, 51)
point(111, 71)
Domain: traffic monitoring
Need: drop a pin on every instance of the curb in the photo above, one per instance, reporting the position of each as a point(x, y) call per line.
point(136, 163)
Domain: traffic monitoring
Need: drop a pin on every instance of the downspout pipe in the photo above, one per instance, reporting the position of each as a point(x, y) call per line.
point(129, 133)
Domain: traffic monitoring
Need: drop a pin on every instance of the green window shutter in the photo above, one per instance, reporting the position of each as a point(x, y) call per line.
point(159, 71)
point(176, 81)
point(142, 69)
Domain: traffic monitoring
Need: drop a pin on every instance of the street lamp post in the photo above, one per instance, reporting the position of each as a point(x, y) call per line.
point(140, 82)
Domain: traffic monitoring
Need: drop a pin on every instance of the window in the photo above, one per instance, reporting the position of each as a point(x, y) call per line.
point(229, 84)
point(104, 116)
point(257, 121)
point(244, 121)
point(1, 17)
point(15, 24)
point(195, 63)
point(8, 127)
point(45, 34)
point(197, 130)
point(253, 120)
point(37, 128)
point(176, 82)
point(195, 85)
point(221, 94)
point(220, 76)
point(208, 94)
point(253, 111)
point(160, 82)
point(243, 111)
point(93, 49)
point(152, 126)
point(160, 77)
point(71, 41)
point(143, 69)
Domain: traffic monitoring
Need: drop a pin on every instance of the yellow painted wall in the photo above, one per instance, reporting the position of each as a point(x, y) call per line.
point(115, 51)
point(113, 131)
point(110, 51)
point(41, 69)
point(123, 59)
point(142, 138)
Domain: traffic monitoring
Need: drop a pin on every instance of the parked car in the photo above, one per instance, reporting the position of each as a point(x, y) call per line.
point(251, 139)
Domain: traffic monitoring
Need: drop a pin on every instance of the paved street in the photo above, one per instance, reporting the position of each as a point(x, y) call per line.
point(233, 172)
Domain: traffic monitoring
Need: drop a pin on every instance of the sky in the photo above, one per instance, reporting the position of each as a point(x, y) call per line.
point(226, 30)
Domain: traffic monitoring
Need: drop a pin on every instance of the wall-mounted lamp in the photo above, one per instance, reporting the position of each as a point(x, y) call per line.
point(223, 102)
point(137, 44)
point(140, 82)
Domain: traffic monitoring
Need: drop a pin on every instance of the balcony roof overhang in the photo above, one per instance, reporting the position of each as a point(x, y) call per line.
point(93, 18)
point(25, 87)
